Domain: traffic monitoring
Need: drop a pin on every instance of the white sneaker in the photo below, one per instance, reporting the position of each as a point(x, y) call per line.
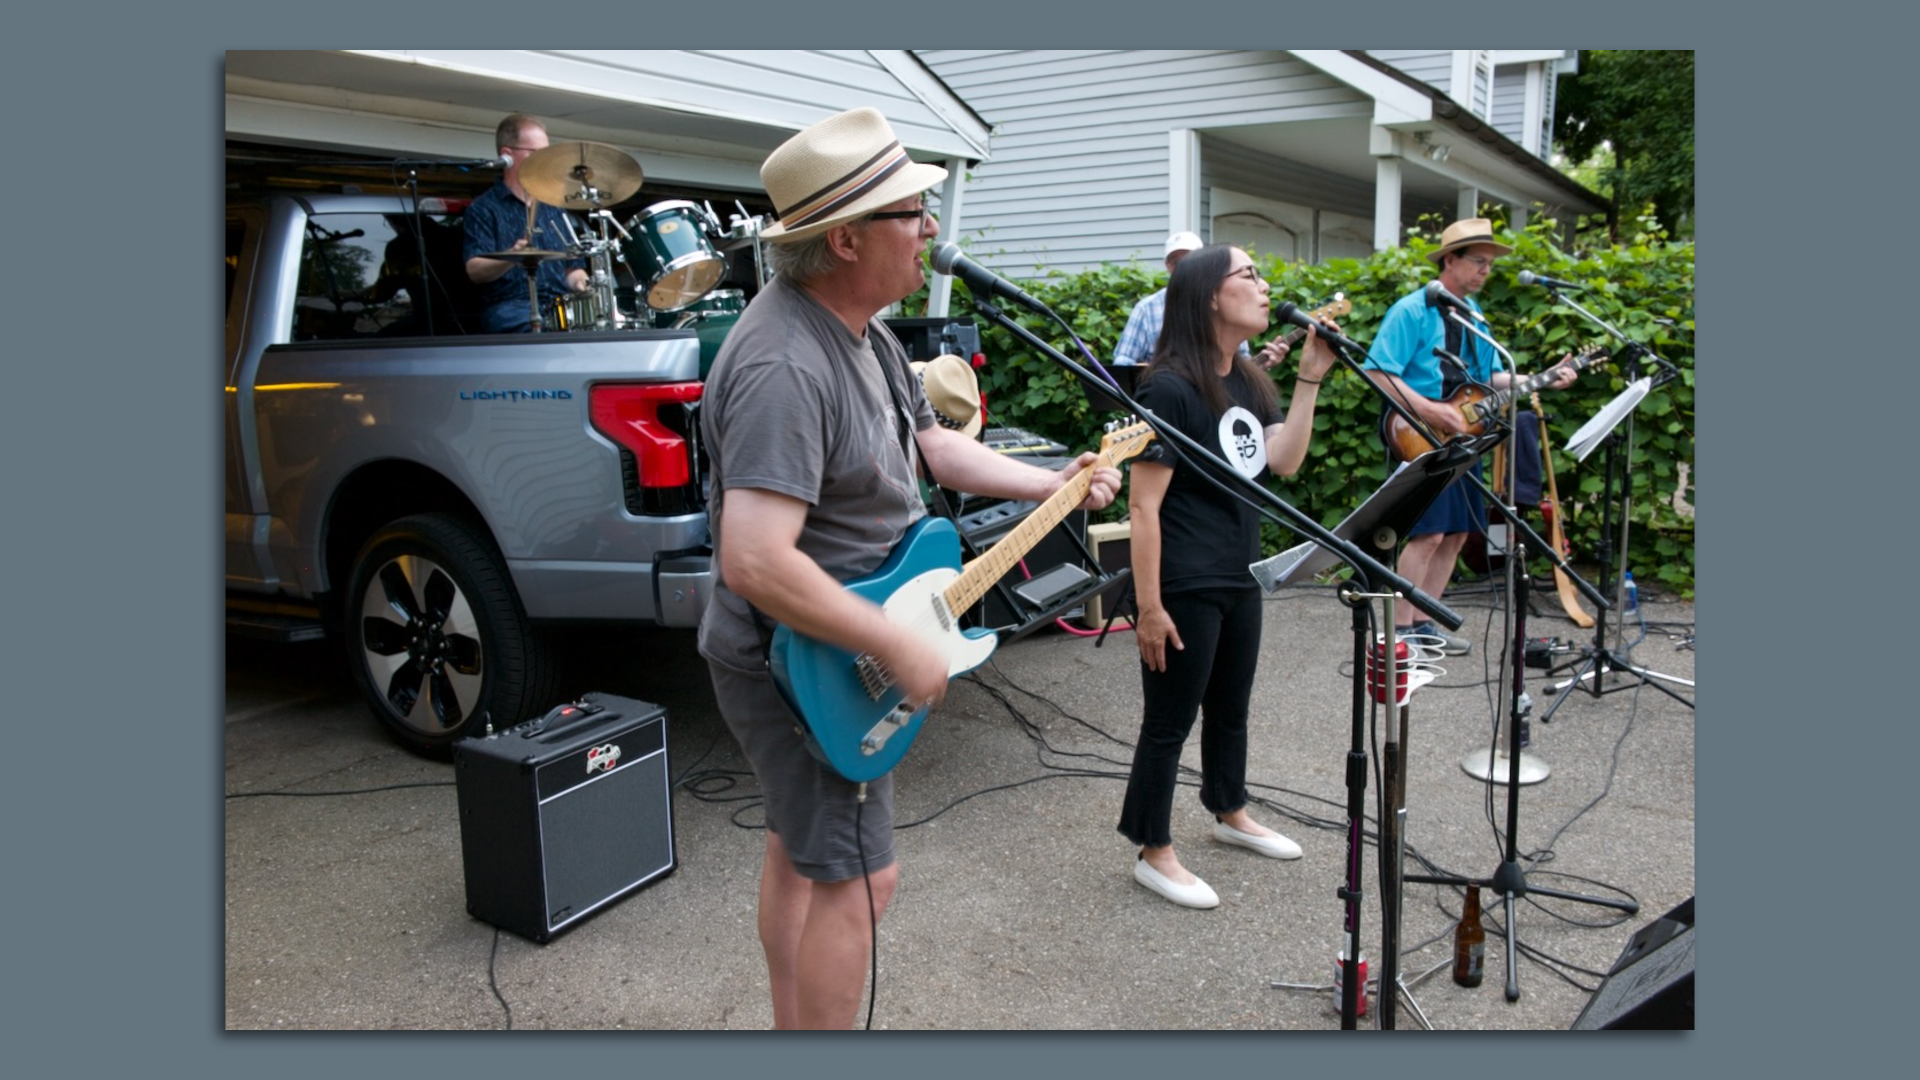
point(1197, 895)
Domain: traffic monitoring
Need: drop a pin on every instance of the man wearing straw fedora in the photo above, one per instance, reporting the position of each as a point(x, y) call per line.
point(814, 426)
point(1403, 363)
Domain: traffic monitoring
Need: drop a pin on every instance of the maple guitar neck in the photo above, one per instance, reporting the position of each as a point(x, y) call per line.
point(1491, 404)
point(979, 575)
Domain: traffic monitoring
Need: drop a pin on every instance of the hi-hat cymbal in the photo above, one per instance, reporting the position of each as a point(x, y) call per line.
point(580, 176)
point(526, 257)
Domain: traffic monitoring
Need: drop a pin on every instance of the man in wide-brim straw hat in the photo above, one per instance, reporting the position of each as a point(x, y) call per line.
point(1403, 363)
point(813, 424)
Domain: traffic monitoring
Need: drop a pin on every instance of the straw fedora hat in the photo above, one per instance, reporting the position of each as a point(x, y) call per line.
point(1466, 233)
point(837, 170)
point(953, 392)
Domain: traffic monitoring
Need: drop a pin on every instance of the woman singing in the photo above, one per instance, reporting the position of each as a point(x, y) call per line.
point(1199, 609)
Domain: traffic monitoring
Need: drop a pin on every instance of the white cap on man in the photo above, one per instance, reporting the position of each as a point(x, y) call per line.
point(1184, 241)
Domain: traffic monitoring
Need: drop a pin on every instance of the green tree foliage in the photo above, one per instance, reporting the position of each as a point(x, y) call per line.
point(1647, 279)
point(1640, 102)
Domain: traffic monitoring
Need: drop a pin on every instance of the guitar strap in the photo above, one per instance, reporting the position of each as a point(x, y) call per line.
point(766, 625)
point(1450, 380)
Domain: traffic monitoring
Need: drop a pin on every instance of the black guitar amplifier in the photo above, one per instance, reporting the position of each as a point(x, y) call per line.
point(563, 815)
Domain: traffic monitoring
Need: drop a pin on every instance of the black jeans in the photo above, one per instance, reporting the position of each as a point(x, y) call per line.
point(1212, 675)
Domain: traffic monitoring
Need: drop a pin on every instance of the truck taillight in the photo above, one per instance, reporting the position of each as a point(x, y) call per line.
point(631, 415)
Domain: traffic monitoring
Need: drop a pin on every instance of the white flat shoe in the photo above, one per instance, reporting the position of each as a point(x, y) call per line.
point(1197, 895)
point(1273, 847)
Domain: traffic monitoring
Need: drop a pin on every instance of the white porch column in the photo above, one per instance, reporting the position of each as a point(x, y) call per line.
point(1183, 181)
point(1516, 220)
point(940, 286)
point(1468, 204)
point(1386, 203)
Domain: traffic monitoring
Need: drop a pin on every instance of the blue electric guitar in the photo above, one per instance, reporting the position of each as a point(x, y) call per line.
point(856, 722)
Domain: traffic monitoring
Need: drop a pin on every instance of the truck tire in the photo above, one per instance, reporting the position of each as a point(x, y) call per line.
point(436, 637)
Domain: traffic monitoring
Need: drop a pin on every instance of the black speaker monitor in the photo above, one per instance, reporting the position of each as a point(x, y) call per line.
point(1651, 985)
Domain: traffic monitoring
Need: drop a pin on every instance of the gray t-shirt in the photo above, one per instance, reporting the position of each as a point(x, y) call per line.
point(795, 404)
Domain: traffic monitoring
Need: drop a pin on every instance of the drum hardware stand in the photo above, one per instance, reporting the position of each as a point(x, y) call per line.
point(1598, 660)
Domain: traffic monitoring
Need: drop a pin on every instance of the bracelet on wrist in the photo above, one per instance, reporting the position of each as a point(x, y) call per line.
point(1309, 382)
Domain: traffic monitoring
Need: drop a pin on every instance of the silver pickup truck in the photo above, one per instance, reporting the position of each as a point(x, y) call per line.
point(441, 499)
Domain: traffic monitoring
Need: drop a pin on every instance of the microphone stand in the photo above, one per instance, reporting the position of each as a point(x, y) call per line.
point(1596, 661)
point(1509, 881)
point(1373, 580)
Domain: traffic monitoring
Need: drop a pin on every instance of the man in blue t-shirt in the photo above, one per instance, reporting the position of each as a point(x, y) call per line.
point(1403, 363)
point(497, 221)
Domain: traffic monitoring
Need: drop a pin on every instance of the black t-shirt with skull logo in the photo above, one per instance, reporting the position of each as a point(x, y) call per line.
point(1207, 536)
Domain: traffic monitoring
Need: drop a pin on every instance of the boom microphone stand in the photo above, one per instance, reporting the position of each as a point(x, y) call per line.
point(1509, 881)
point(1598, 660)
point(1381, 521)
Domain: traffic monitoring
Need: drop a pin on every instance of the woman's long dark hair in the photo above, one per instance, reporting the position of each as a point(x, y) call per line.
point(1187, 345)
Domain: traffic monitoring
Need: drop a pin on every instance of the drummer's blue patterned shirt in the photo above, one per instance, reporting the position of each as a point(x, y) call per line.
point(494, 222)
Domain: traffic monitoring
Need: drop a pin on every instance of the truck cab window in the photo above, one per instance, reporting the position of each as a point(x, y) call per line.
point(360, 276)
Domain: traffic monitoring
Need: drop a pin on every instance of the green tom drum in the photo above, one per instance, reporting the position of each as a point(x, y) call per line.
point(671, 256)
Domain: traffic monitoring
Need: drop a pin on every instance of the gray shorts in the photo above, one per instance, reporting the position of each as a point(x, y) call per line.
point(812, 808)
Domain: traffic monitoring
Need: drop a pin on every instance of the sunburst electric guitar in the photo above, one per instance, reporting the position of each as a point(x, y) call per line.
point(1477, 405)
point(854, 719)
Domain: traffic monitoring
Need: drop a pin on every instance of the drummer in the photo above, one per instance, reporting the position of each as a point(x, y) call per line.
point(497, 221)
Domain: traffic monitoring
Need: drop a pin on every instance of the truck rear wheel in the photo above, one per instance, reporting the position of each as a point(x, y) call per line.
point(436, 636)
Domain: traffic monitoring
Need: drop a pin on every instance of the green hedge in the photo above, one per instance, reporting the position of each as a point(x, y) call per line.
point(1649, 278)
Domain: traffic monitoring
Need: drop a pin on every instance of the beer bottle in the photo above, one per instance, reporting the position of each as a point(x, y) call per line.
point(1470, 942)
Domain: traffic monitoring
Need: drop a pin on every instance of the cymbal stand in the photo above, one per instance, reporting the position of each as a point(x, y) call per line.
point(600, 252)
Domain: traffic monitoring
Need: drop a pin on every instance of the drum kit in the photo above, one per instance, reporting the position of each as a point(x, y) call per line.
point(675, 250)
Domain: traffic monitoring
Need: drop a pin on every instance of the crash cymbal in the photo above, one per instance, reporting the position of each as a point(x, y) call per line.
point(580, 176)
point(526, 257)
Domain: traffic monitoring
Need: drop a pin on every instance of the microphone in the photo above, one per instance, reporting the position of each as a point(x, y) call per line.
point(1528, 277)
point(1289, 312)
point(948, 259)
point(1438, 296)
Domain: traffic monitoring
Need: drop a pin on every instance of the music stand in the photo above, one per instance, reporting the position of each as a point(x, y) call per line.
point(1377, 525)
point(1598, 660)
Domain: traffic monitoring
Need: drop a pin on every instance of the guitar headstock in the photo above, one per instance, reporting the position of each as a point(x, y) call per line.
point(1123, 442)
point(1592, 354)
point(1338, 307)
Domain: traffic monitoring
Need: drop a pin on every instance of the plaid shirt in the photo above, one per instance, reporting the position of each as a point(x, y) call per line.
point(1142, 332)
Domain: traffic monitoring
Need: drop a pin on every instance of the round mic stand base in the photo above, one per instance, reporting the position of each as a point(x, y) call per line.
point(1484, 765)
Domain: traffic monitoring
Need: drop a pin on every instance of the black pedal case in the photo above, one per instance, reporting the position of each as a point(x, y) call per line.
point(563, 815)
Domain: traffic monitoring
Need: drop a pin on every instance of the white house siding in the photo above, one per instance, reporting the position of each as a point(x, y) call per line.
point(1431, 66)
point(1509, 114)
point(1079, 169)
point(690, 116)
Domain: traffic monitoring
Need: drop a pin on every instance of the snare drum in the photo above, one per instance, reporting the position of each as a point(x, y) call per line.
point(671, 256)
